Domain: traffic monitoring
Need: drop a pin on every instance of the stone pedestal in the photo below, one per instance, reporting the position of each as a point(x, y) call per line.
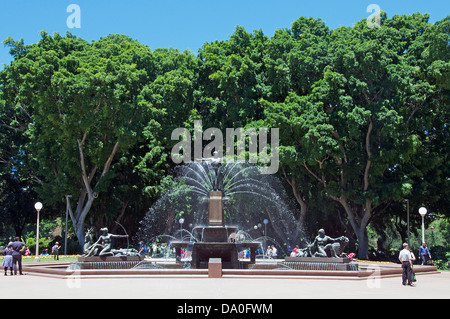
point(215, 240)
point(215, 268)
point(215, 215)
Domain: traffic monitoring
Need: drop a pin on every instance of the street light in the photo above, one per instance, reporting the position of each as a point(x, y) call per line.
point(407, 211)
point(423, 212)
point(38, 207)
point(265, 221)
point(181, 221)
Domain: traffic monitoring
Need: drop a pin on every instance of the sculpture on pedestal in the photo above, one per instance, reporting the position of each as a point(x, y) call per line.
point(324, 246)
point(103, 245)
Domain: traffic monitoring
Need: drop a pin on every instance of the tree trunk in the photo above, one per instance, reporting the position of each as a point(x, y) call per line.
point(359, 216)
point(363, 242)
point(83, 204)
point(298, 197)
point(79, 217)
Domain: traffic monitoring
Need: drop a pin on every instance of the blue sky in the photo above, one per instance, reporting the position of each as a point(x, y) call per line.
point(186, 24)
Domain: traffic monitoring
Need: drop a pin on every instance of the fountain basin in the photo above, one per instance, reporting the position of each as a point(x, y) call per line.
point(203, 251)
point(109, 262)
point(227, 251)
point(214, 233)
point(320, 263)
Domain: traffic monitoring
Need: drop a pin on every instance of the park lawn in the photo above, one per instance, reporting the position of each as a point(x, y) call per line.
point(47, 258)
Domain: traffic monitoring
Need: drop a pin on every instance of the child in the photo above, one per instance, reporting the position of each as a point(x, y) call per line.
point(8, 260)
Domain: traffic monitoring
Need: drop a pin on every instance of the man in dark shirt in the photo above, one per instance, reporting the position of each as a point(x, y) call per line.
point(18, 248)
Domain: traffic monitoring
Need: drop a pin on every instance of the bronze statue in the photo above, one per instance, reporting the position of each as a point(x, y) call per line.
point(102, 247)
point(88, 239)
point(326, 246)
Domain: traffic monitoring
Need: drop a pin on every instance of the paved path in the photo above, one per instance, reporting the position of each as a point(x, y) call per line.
point(30, 287)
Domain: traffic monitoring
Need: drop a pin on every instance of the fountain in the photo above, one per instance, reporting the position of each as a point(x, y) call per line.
point(216, 240)
point(219, 200)
point(206, 197)
point(218, 185)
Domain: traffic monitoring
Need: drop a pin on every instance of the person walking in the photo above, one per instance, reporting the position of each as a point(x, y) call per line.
point(18, 248)
point(8, 260)
point(424, 254)
point(405, 260)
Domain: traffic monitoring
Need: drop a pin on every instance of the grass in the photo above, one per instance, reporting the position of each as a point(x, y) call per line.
point(47, 258)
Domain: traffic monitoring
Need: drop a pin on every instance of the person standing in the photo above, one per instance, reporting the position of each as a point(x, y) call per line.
point(55, 251)
point(424, 254)
point(269, 251)
point(274, 252)
point(412, 260)
point(405, 260)
point(8, 260)
point(18, 248)
point(142, 249)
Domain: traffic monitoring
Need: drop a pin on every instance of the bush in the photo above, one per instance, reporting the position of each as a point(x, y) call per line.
point(44, 243)
point(440, 252)
point(441, 264)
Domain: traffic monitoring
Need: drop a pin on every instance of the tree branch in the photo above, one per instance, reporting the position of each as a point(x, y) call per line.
point(321, 180)
point(108, 163)
point(416, 109)
point(84, 175)
point(297, 195)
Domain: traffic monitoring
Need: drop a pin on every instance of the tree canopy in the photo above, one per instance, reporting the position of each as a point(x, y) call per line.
point(363, 117)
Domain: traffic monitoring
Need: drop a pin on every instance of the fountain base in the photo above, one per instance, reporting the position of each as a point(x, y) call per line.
point(203, 251)
point(109, 262)
point(320, 263)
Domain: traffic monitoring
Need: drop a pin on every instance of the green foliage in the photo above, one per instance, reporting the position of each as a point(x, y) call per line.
point(362, 113)
point(44, 244)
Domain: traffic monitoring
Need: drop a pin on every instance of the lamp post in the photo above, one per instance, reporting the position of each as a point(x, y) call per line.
point(181, 221)
point(407, 220)
point(423, 212)
point(38, 207)
point(266, 221)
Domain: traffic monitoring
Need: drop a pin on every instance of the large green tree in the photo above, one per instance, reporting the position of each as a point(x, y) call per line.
point(362, 113)
point(86, 107)
point(356, 132)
